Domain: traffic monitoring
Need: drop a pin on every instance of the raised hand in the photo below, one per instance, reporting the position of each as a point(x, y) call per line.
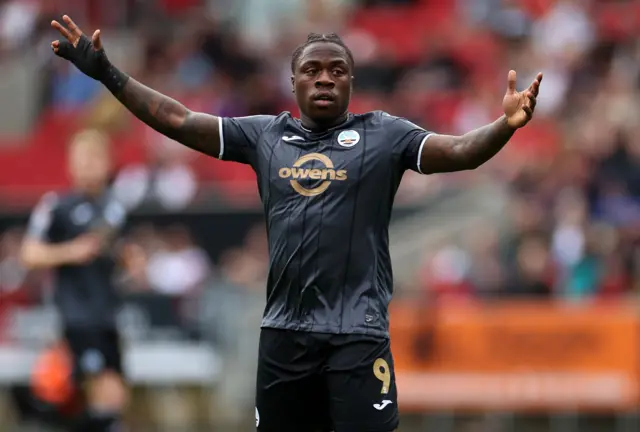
point(87, 55)
point(198, 131)
point(519, 106)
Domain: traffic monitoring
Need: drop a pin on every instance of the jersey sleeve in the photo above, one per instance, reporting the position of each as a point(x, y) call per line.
point(408, 141)
point(42, 218)
point(239, 137)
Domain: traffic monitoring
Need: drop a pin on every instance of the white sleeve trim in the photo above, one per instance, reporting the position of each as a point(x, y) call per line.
point(221, 138)
point(42, 216)
point(424, 140)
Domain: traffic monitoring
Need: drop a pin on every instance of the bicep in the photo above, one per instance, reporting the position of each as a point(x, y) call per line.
point(441, 154)
point(427, 152)
point(198, 131)
point(201, 132)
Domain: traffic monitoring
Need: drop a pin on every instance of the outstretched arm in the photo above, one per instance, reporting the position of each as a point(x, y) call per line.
point(169, 117)
point(196, 130)
point(446, 153)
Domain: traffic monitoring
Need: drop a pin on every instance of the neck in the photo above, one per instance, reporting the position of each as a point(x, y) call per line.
point(91, 191)
point(314, 125)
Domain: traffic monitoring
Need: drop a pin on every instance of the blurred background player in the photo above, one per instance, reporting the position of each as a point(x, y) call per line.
point(73, 233)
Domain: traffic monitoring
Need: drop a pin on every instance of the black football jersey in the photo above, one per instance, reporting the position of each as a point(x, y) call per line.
point(327, 199)
point(85, 294)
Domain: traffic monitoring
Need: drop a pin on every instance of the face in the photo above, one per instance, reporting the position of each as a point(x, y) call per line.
point(322, 83)
point(89, 163)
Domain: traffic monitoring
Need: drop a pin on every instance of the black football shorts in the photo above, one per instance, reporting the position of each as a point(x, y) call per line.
point(94, 351)
point(313, 382)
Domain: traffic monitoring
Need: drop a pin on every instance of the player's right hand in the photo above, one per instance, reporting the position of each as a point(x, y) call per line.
point(85, 249)
point(87, 55)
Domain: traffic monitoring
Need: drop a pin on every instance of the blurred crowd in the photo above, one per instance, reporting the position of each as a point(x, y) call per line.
point(573, 227)
point(573, 174)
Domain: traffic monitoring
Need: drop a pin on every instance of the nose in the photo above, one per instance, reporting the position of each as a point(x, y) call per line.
point(325, 80)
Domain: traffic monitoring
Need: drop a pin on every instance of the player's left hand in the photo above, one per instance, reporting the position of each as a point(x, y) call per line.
point(519, 106)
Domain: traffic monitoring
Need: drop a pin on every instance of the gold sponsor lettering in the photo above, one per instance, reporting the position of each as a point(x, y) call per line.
point(315, 174)
point(328, 174)
point(284, 172)
point(298, 172)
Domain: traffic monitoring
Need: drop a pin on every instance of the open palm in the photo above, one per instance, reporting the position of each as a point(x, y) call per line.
point(519, 106)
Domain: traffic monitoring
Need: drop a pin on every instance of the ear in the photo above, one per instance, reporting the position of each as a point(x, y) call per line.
point(293, 84)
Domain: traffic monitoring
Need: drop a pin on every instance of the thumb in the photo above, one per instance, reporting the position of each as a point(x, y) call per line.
point(95, 39)
point(511, 82)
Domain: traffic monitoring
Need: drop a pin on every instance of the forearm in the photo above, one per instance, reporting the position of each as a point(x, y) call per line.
point(447, 153)
point(37, 255)
point(169, 117)
point(480, 145)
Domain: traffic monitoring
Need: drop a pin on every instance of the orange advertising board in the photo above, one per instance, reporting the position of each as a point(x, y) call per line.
point(516, 356)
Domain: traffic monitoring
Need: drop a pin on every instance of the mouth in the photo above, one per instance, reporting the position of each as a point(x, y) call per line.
point(324, 98)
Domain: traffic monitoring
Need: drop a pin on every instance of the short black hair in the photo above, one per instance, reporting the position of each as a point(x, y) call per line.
point(317, 37)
